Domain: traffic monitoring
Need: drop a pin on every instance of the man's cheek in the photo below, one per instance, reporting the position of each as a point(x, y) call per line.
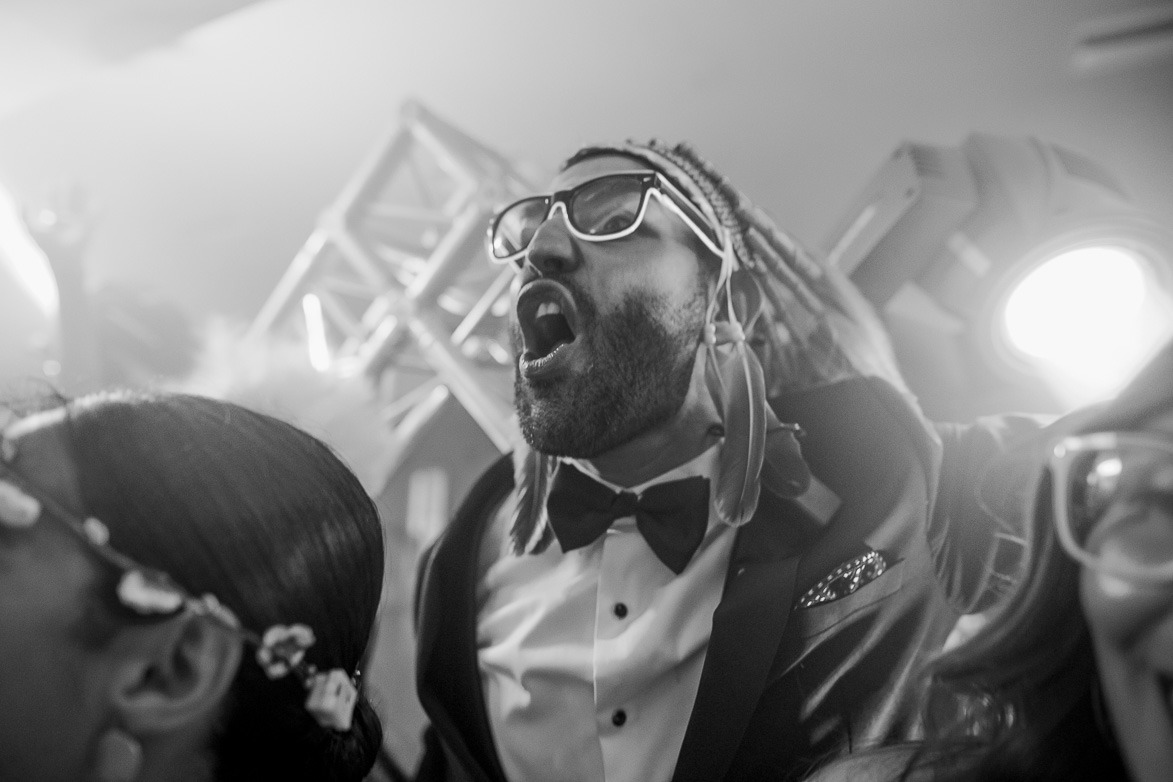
point(1118, 609)
point(516, 341)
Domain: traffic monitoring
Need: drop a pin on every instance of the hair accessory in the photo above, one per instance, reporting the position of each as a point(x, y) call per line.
point(332, 694)
point(282, 649)
point(332, 699)
point(17, 508)
point(140, 589)
point(96, 531)
point(147, 596)
point(209, 605)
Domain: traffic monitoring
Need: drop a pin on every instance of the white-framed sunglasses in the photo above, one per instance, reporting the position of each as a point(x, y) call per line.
point(1113, 503)
point(602, 209)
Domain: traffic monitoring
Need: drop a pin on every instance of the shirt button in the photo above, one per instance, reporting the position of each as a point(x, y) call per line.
point(618, 717)
point(620, 610)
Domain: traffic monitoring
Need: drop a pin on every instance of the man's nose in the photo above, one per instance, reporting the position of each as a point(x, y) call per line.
point(553, 250)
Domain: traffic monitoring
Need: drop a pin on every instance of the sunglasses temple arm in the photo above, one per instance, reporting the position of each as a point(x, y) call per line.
point(691, 223)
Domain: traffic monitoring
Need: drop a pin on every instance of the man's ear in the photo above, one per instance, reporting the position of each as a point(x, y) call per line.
point(174, 674)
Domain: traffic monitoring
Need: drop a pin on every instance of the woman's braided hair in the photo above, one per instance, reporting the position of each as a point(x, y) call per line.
point(808, 325)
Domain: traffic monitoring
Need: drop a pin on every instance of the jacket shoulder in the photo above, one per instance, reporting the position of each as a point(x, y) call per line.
point(476, 509)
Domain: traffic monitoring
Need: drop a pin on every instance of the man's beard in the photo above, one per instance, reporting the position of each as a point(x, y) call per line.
point(640, 362)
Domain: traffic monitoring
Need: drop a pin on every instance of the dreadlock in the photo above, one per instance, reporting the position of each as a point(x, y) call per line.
point(807, 323)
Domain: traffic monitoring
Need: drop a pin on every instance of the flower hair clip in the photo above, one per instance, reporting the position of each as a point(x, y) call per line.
point(332, 694)
point(282, 649)
point(18, 510)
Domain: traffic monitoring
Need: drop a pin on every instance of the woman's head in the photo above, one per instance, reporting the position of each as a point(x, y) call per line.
point(228, 503)
point(1086, 627)
point(1113, 506)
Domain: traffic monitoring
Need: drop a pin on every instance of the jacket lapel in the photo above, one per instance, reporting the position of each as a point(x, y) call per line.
point(747, 630)
point(775, 557)
point(447, 676)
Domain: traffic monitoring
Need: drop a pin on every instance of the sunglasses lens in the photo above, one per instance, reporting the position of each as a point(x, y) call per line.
point(608, 205)
point(516, 226)
point(1120, 506)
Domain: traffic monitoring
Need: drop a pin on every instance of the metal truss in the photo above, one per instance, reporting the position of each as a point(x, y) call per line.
point(395, 282)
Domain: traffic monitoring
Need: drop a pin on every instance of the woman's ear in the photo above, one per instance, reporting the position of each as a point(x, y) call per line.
point(174, 675)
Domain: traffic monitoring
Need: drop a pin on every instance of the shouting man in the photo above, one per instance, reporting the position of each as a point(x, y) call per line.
point(729, 538)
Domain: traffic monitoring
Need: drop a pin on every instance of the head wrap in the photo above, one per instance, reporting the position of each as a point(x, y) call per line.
point(810, 326)
point(781, 320)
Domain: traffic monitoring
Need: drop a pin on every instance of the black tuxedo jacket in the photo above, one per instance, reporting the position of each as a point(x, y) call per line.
point(782, 687)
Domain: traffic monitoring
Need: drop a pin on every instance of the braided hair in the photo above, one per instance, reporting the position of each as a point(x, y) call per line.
point(806, 322)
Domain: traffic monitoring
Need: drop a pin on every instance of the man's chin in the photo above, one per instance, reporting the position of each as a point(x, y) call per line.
point(547, 428)
point(579, 429)
point(630, 372)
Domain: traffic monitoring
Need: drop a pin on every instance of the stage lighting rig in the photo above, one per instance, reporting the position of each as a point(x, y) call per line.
point(1012, 273)
point(394, 282)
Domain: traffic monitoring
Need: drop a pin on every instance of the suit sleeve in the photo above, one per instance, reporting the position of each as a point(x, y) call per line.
point(988, 473)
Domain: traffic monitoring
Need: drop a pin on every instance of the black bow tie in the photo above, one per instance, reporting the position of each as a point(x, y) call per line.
point(671, 516)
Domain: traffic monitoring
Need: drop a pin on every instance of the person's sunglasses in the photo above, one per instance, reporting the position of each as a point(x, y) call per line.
point(1113, 503)
point(600, 210)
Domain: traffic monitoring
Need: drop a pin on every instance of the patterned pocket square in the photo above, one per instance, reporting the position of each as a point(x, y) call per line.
point(844, 580)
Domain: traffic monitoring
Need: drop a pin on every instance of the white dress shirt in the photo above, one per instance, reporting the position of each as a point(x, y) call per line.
point(590, 660)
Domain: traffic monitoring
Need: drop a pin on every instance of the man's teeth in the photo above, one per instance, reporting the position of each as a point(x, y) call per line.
point(549, 308)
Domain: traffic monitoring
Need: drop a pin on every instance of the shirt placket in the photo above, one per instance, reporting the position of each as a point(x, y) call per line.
point(625, 586)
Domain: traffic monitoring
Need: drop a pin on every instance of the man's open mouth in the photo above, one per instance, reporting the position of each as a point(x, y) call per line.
point(548, 320)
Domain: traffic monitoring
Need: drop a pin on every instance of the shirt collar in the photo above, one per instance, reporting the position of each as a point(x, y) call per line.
point(703, 465)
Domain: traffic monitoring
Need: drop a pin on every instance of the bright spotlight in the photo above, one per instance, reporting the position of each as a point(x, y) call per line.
point(1080, 300)
point(23, 260)
point(1012, 274)
point(1087, 319)
point(29, 303)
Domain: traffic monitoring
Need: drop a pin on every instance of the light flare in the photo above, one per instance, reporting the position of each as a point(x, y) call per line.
point(315, 327)
point(24, 259)
point(1088, 319)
